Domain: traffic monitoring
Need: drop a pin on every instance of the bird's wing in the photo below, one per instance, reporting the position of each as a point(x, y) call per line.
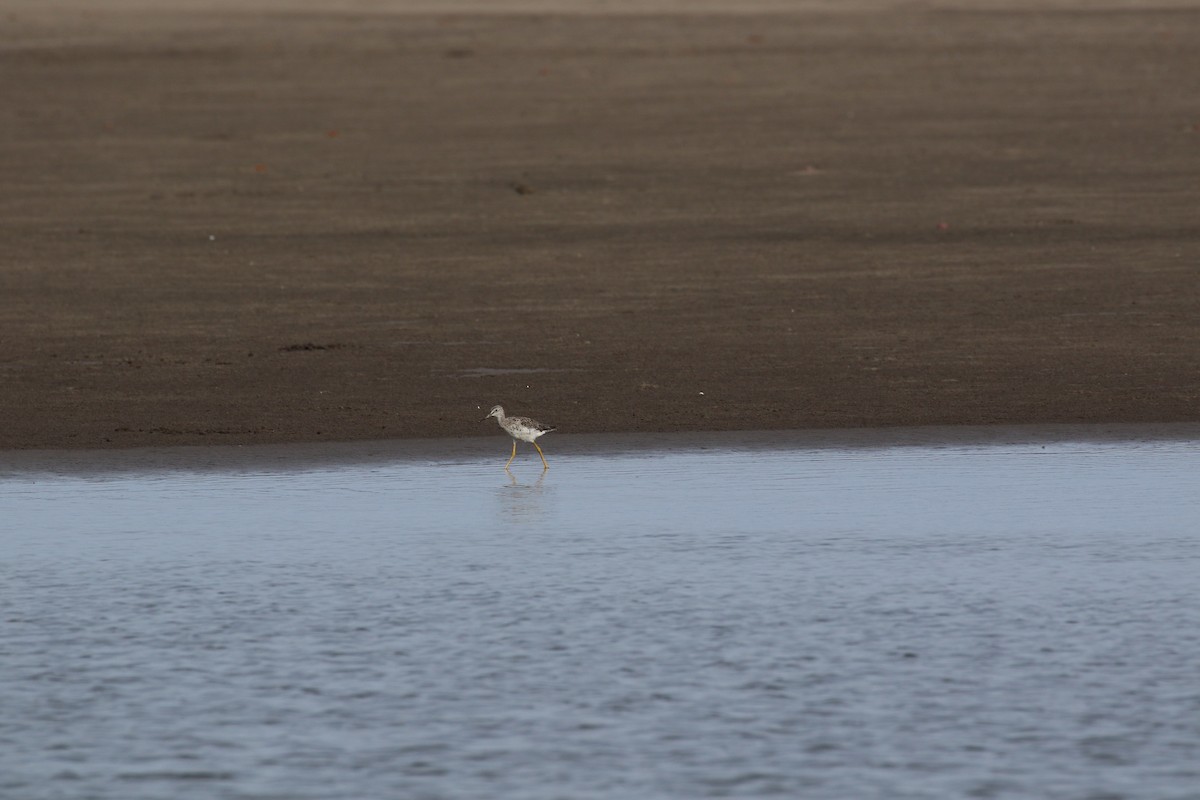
point(533, 424)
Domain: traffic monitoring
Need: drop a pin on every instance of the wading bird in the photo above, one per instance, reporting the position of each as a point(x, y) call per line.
point(523, 428)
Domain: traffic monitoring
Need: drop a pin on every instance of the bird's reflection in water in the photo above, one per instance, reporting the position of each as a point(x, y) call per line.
point(523, 501)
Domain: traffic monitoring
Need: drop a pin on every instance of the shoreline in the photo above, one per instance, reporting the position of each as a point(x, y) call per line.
point(305, 456)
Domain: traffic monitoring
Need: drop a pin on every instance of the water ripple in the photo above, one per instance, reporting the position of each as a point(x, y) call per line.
point(981, 621)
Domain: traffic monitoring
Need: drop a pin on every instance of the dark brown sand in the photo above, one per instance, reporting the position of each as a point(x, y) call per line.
point(276, 225)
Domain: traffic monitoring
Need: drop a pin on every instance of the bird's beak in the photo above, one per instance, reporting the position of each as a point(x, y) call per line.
point(485, 419)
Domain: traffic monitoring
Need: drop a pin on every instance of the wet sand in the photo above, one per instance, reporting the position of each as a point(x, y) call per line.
point(282, 221)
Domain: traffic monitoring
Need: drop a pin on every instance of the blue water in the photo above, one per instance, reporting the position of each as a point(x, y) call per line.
point(694, 619)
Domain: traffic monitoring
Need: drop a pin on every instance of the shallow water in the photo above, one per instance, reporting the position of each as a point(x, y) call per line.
point(940, 619)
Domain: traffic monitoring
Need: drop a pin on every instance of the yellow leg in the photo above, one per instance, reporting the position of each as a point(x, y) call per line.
point(545, 466)
point(514, 455)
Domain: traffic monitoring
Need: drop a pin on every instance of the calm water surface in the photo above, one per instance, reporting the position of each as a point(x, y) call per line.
point(897, 621)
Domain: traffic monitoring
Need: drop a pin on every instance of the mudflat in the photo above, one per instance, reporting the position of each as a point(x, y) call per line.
point(274, 221)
